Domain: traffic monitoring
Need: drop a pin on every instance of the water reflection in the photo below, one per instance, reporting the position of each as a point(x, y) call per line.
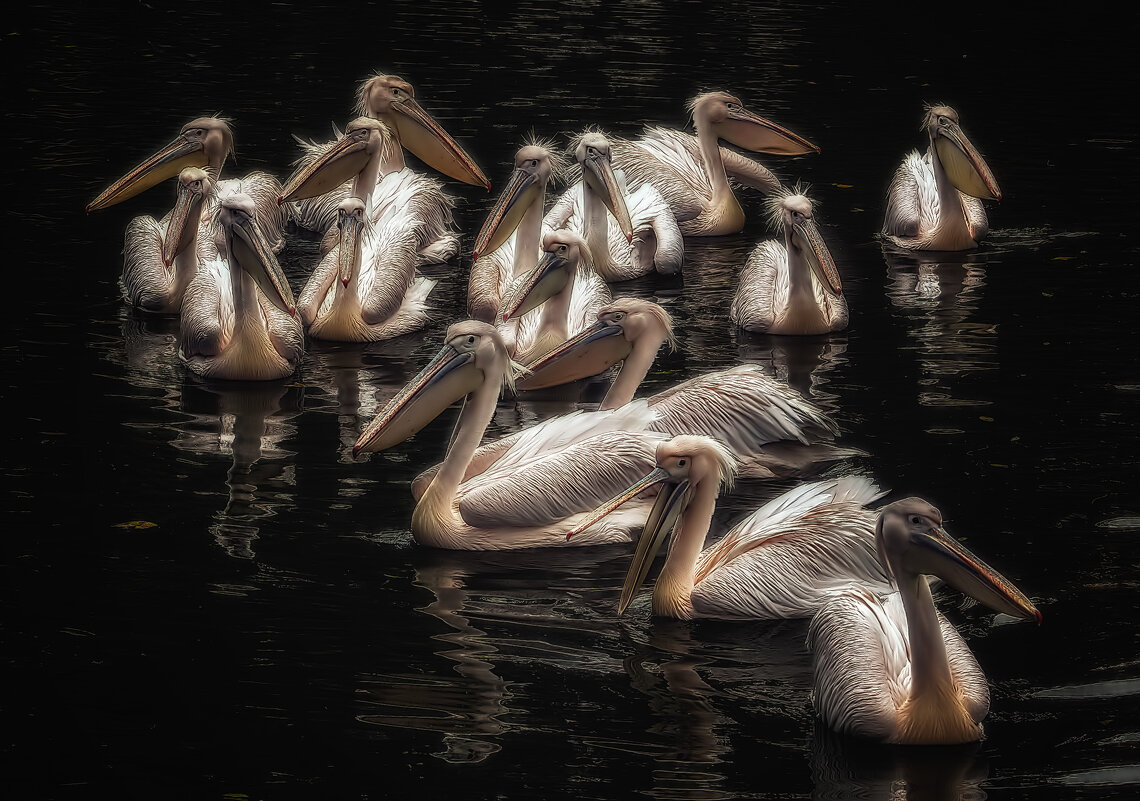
point(847, 768)
point(938, 295)
point(801, 362)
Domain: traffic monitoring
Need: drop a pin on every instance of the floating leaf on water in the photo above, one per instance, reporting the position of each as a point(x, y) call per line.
point(985, 419)
point(137, 524)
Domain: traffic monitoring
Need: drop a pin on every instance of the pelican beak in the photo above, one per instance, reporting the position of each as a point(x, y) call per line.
point(598, 173)
point(520, 193)
point(187, 203)
point(964, 165)
point(341, 162)
point(662, 517)
point(166, 163)
point(425, 138)
point(594, 350)
point(449, 376)
point(352, 232)
point(751, 131)
point(249, 248)
point(545, 281)
point(807, 238)
point(944, 556)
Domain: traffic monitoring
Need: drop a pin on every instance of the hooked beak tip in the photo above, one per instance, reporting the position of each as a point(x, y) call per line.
point(1037, 614)
point(280, 200)
point(292, 311)
point(87, 209)
point(344, 281)
point(488, 186)
point(629, 238)
point(355, 451)
point(474, 255)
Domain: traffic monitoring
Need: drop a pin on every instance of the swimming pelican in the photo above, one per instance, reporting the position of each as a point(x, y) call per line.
point(935, 200)
point(793, 288)
point(630, 234)
point(895, 669)
point(782, 561)
point(548, 479)
point(693, 174)
point(391, 99)
point(150, 280)
point(549, 289)
point(238, 318)
point(366, 287)
point(769, 427)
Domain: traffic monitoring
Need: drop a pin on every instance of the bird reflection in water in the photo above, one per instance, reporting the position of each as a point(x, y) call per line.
point(249, 423)
point(938, 294)
point(844, 767)
point(801, 362)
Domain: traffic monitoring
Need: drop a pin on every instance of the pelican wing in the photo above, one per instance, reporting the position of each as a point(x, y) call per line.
point(786, 558)
point(657, 239)
point(566, 465)
point(764, 288)
point(742, 407)
point(207, 311)
point(146, 280)
point(912, 199)
point(861, 663)
point(670, 161)
point(422, 199)
point(490, 275)
point(316, 213)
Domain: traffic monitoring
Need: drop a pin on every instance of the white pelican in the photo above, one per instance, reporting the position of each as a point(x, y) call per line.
point(509, 245)
point(238, 317)
point(782, 561)
point(693, 174)
point(894, 669)
point(630, 234)
point(150, 280)
point(794, 287)
point(549, 478)
point(548, 289)
point(391, 99)
point(935, 200)
point(769, 427)
point(366, 287)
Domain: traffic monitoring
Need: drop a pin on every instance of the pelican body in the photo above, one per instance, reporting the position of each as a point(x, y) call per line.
point(548, 478)
point(783, 561)
point(693, 174)
point(510, 245)
point(793, 287)
point(153, 279)
point(935, 199)
point(769, 427)
point(239, 319)
point(366, 287)
point(894, 669)
point(630, 234)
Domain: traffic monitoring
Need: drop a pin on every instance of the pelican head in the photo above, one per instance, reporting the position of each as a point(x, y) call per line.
point(792, 211)
point(357, 153)
point(592, 150)
point(245, 245)
point(621, 326)
point(911, 541)
point(963, 164)
point(685, 464)
point(393, 100)
point(194, 186)
point(563, 251)
point(536, 165)
point(203, 142)
point(473, 352)
point(726, 116)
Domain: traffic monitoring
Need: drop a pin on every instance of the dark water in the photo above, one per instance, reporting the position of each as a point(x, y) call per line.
point(206, 597)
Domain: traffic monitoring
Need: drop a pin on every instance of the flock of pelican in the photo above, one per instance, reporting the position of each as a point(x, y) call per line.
point(887, 664)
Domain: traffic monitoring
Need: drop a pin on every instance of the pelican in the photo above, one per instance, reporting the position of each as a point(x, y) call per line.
point(238, 318)
point(935, 200)
point(769, 427)
point(782, 561)
point(509, 245)
point(549, 289)
point(549, 478)
point(693, 174)
point(895, 669)
point(366, 288)
point(391, 99)
point(793, 288)
point(151, 280)
point(630, 234)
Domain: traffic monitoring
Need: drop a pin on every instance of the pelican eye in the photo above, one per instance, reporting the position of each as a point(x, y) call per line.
point(681, 463)
point(916, 520)
point(619, 316)
point(470, 339)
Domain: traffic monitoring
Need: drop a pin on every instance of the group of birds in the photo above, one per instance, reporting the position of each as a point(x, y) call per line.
point(887, 664)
